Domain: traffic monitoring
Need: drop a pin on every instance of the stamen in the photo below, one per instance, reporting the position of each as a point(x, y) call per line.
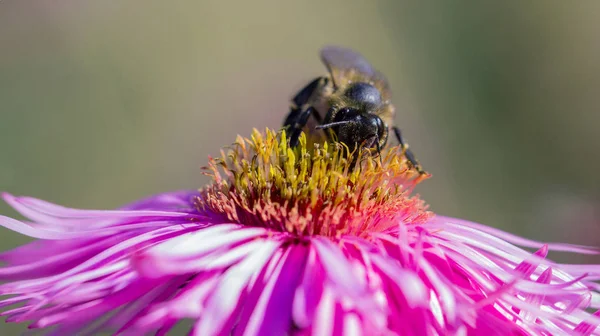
point(327, 191)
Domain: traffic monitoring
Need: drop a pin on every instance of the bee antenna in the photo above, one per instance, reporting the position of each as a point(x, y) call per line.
point(333, 124)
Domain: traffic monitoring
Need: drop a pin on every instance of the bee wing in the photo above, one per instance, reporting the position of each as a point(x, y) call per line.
point(340, 61)
point(383, 85)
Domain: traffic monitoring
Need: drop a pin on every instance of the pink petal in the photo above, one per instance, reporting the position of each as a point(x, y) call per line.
point(516, 239)
point(337, 267)
point(47, 210)
point(268, 309)
point(308, 294)
point(225, 302)
point(231, 248)
point(171, 200)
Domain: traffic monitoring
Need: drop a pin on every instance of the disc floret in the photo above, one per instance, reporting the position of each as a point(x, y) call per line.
point(325, 190)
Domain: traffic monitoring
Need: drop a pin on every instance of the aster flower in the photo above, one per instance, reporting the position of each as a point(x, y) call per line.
point(289, 241)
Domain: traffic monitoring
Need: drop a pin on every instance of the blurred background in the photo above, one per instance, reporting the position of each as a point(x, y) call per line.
point(105, 102)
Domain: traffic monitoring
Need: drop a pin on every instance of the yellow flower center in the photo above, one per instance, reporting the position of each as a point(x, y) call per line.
point(324, 190)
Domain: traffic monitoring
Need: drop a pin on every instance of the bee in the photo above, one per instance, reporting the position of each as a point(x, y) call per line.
point(352, 104)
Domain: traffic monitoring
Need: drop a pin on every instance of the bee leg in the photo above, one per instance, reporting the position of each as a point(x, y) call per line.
point(296, 128)
point(300, 99)
point(379, 150)
point(407, 152)
point(304, 95)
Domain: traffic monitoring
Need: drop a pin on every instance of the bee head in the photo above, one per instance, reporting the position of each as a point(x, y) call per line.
point(355, 127)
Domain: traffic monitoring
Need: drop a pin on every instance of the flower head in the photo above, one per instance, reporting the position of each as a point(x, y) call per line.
point(289, 241)
point(318, 193)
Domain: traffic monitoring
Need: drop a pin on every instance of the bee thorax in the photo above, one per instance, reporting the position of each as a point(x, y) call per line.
point(364, 94)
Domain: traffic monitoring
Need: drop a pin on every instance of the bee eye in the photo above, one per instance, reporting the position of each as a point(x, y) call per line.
point(345, 113)
point(381, 130)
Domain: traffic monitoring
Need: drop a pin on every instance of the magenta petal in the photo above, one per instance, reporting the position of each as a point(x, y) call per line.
point(337, 267)
point(324, 323)
point(537, 300)
point(153, 263)
point(587, 328)
point(308, 294)
point(527, 267)
point(226, 301)
point(516, 239)
point(189, 303)
point(269, 305)
point(39, 249)
point(45, 210)
point(35, 232)
point(413, 289)
point(202, 242)
point(55, 261)
point(175, 200)
point(96, 308)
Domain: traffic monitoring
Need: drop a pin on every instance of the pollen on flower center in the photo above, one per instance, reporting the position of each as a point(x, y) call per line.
point(323, 190)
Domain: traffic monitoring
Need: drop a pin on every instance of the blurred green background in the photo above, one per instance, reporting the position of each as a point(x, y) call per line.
point(104, 102)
